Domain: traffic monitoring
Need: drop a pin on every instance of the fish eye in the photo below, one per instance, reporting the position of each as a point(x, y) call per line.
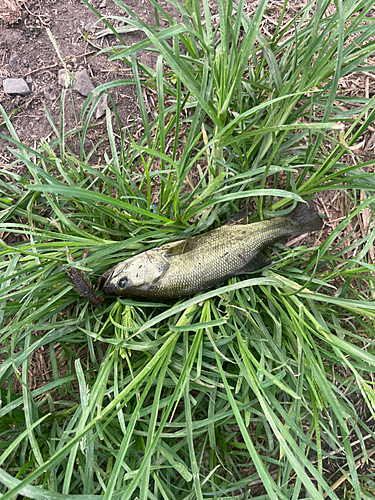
point(123, 283)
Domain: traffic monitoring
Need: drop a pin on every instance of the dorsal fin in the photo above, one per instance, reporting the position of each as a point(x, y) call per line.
point(175, 247)
point(239, 218)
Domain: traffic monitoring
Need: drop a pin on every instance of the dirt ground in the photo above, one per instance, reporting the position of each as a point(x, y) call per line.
point(26, 51)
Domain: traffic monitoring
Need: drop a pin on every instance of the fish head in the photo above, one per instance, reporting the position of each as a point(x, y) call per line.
point(135, 275)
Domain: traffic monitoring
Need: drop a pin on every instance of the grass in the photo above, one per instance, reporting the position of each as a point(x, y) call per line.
point(249, 390)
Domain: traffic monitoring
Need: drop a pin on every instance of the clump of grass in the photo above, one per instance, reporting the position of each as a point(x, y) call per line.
point(244, 390)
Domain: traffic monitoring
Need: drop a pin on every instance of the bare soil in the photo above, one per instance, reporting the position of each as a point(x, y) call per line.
point(26, 51)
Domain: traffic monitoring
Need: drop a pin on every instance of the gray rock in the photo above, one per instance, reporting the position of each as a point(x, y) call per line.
point(13, 61)
point(15, 86)
point(101, 107)
point(83, 83)
point(63, 78)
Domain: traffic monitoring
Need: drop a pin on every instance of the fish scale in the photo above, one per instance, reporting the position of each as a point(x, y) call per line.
point(224, 252)
point(188, 266)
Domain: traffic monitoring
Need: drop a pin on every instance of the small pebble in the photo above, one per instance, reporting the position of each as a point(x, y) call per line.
point(83, 83)
point(101, 107)
point(13, 61)
point(63, 78)
point(15, 86)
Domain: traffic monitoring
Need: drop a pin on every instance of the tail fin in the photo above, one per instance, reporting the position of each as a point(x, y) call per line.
point(306, 216)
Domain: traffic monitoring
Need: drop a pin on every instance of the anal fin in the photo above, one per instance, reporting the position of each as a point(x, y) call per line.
point(255, 264)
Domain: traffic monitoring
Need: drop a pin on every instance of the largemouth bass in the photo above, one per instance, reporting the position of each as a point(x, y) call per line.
point(187, 266)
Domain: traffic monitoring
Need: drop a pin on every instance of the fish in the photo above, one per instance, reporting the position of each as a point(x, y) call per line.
point(187, 266)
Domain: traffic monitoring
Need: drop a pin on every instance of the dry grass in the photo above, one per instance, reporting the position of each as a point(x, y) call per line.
point(10, 11)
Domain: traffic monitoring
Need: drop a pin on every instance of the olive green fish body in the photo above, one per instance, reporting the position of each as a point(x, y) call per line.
point(187, 266)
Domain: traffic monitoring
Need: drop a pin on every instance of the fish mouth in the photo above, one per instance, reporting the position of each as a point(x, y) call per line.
point(109, 289)
point(104, 282)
